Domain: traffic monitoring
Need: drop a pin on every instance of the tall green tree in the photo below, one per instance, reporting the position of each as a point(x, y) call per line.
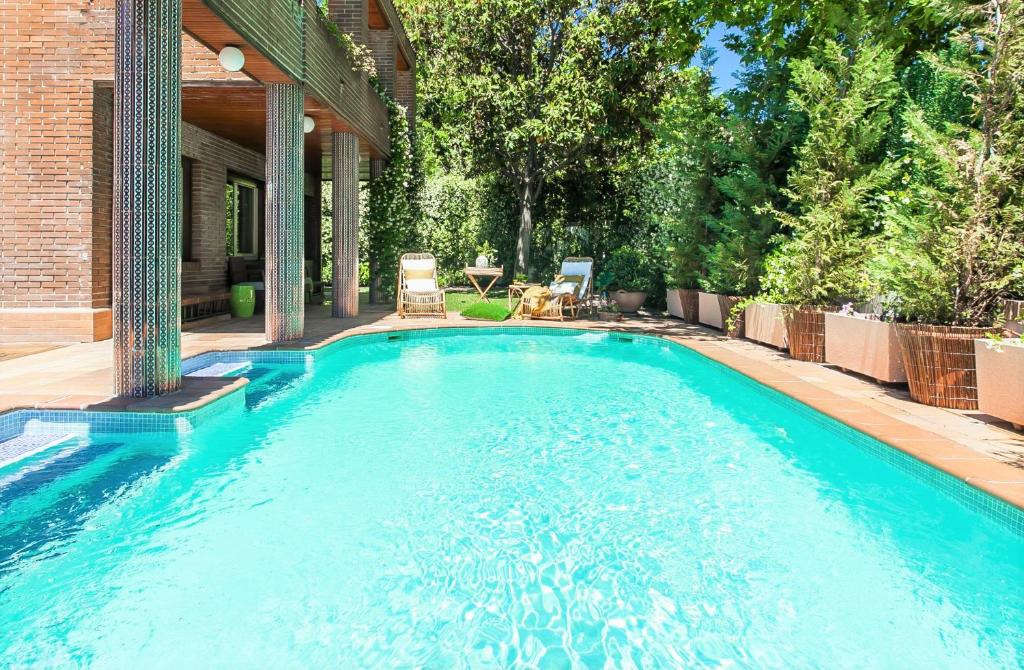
point(537, 84)
point(955, 227)
point(846, 91)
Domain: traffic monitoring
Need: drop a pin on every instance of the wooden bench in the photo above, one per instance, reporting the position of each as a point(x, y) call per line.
point(204, 305)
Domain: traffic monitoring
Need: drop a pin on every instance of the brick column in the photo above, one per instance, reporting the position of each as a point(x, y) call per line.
point(376, 170)
point(345, 224)
point(383, 47)
point(284, 218)
point(147, 198)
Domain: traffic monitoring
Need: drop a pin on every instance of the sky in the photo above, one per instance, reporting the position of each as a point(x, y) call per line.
point(728, 62)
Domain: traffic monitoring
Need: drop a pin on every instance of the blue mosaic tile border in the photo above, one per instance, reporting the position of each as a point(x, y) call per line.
point(271, 357)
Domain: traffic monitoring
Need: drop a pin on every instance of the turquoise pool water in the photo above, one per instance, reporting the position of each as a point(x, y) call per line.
point(494, 501)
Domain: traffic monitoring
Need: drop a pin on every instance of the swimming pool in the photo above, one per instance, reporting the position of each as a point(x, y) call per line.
point(486, 499)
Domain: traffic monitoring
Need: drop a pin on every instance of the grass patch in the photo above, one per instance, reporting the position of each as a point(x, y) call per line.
point(487, 311)
point(458, 300)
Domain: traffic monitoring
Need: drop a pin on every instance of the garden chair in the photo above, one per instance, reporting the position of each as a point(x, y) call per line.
point(418, 294)
point(569, 291)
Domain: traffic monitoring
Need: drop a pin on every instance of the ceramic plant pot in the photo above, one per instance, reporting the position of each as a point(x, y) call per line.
point(865, 346)
point(628, 301)
point(940, 364)
point(483, 262)
point(765, 322)
point(1001, 380)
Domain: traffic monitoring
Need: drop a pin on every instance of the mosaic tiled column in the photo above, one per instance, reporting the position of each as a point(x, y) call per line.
point(345, 224)
point(285, 187)
point(147, 198)
point(376, 170)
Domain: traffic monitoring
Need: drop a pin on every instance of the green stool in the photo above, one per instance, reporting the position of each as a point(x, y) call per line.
point(243, 301)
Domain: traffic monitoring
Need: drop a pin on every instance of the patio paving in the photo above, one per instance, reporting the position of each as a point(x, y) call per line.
point(967, 444)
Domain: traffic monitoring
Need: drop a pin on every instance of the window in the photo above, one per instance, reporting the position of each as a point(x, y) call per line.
point(186, 209)
point(243, 214)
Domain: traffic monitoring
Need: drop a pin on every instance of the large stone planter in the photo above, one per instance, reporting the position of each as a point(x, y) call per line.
point(714, 309)
point(865, 346)
point(940, 364)
point(628, 301)
point(1001, 381)
point(682, 304)
point(765, 322)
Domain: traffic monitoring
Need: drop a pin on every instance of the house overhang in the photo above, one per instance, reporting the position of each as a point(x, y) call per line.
point(284, 41)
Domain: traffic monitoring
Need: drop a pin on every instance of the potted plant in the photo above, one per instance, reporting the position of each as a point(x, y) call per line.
point(608, 310)
point(626, 276)
point(485, 254)
point(864, 342)
point(1000, 365)
point(684, 267)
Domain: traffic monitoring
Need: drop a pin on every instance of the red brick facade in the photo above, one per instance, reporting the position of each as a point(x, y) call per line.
point(56, 171)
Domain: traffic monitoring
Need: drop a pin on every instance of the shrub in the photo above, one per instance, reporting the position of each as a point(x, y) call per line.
point(626, 269)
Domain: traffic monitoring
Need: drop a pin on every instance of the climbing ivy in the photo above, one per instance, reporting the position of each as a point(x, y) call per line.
point(392, 207)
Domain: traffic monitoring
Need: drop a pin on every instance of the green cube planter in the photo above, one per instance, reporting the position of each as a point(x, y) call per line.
point(243, 301)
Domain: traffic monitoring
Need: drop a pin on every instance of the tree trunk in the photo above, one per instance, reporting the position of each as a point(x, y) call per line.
point(374, 282)
point(525, 234)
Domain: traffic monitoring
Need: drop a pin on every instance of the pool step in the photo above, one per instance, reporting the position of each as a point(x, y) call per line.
point(26, 444)
point(219, 369)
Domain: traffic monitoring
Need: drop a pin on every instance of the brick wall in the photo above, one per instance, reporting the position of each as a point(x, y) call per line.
point(405, 94)
point(352, 16)
point(383, 47)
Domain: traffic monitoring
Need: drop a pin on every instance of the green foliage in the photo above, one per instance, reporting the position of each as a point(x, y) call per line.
point(846, 91)
point(392, 207)
point(486, 311)
point(954, 228)
point(626, 269)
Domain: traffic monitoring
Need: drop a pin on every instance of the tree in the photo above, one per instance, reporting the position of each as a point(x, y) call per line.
point(536, 84)
point(846, 92)
point(955, 227)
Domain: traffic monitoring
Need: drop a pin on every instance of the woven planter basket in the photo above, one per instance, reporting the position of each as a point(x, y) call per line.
point(940, 364)
point(726, 303)
point(688, 299)
point(805, 331)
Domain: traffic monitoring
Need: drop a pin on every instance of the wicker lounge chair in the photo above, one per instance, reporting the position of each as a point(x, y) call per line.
point(567, 296)
point(418, 294)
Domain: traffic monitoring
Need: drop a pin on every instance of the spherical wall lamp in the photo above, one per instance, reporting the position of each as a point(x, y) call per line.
point(231, 58)
point(308, 124)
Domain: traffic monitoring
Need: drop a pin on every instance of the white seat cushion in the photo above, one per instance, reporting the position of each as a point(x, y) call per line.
point(563, 287)
point(581, 268)
point(418, 285)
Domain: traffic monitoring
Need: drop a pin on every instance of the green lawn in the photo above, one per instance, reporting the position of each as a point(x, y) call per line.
point(458, 298)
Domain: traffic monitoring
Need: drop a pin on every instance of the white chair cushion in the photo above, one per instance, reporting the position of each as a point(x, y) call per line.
point(417, 285)
point(418, 264)
point(562, 287)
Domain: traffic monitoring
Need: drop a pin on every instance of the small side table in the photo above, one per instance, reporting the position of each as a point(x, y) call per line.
point(493, 273)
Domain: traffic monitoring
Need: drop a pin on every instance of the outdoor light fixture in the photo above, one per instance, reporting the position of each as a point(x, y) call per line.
point(308, 124)
point(231, 58)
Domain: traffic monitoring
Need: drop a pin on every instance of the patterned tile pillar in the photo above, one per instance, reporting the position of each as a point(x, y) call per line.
point(284, 217)
point(345, 224)
point(376, 170)
point(147, 198)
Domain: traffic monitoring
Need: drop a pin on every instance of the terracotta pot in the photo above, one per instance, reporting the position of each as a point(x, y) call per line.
point(628, 301)
point(865, 346)
point(940, 364)
point(765, 322)
point(609, 316)
point(1001, 381)
point(805, 333)
point(682, 304)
